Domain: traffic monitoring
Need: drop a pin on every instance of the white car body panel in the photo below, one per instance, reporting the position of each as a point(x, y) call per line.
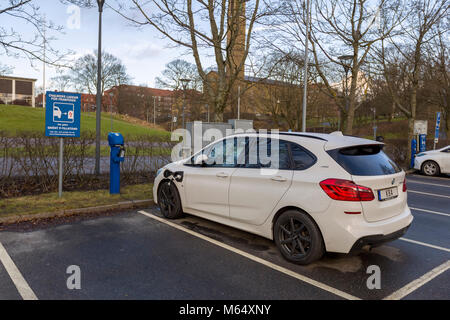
point(255, 211)
point(441, 158)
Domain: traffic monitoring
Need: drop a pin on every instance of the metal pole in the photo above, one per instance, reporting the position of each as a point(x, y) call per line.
point(44, 84)
point(154, 110)
point(305, 89)
point(99, 93)
point(207, 106)
point(239, 103)
point(184, 103)
point(60, 177)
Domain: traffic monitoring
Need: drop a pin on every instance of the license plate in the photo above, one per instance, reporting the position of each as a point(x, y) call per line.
point(387, 194)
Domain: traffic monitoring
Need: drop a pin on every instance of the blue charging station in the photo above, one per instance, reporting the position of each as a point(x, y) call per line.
point(413, 151)
point(422, 142)
point(117, 155)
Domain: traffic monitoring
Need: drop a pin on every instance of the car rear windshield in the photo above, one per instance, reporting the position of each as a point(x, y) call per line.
point(367, 160)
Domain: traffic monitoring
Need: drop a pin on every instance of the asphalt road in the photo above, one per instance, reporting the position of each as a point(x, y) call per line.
point(139, 255)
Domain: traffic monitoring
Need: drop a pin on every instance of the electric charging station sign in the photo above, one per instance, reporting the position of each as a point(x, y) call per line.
point(62, 114)
point(436, 131)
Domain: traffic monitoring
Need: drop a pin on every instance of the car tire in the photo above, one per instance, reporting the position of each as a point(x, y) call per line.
point(430, 168)
point(169, 200)
point(302, 246)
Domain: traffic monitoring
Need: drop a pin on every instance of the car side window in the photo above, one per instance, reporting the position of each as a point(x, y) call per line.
point(268, 153)
point(225, 153)
point(301, 158)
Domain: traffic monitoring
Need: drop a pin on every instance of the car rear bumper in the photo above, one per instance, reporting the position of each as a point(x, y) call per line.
point(378, 239)
point(341, 232)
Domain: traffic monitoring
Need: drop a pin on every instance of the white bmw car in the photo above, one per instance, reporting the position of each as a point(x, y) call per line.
point(322, 192)
point(433, 162)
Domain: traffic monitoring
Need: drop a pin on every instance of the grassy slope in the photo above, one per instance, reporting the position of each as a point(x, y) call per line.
point(49, 202)
point(17, 118)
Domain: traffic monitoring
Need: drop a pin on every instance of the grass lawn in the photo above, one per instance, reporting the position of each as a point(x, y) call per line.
point(18, 118)
point(49, 202)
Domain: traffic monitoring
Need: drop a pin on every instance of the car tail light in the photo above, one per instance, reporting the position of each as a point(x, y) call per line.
point(404, 186)
point(346, 190)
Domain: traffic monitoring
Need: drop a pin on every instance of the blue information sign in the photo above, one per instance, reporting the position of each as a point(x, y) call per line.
point(438, 123)
point(62, 114)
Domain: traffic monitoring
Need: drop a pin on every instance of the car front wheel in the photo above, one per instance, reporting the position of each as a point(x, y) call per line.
point(169, 200)
point(298, 238)
point(430, 168)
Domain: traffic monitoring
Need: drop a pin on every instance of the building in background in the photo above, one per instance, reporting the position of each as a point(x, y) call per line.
point(16, 90)
point(87, 101)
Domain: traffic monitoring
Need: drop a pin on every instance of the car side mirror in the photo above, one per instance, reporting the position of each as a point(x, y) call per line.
point(201, 160)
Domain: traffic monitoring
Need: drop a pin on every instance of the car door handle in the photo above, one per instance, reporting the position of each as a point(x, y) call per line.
point(279, 179)
point(222, 175)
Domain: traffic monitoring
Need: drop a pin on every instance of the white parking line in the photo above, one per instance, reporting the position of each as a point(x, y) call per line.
point(429, 194)
point(15, 275)
point(414, 285)
point(429, 211)
point(425, 244)
point(256, 259)
point(429, 184)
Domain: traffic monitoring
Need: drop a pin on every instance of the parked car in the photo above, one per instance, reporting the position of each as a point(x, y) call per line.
point(433, 162)
point(328, 192)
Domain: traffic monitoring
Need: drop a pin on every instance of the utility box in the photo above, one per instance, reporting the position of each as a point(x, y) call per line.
point(203, 133)
point(241, 125)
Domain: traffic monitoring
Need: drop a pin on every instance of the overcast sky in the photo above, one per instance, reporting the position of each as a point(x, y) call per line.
point(143, 52)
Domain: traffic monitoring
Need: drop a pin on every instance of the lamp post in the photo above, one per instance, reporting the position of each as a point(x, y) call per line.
point(305, 84)
point(345, 63)
point(99, 89)
point(111, 96)
point(185, 82)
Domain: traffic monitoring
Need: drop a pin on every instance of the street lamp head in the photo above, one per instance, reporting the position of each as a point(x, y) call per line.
point(100, 5)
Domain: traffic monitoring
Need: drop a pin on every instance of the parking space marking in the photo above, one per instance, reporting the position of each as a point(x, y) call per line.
point(429, 194)
point(425, 244)
point(15, 275)
point(429, 211)
point(429, 184)
point(255, 258)
point(414, 285)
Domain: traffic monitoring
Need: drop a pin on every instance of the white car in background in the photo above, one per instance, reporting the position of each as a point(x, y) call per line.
point(329, 192)
point(433, 162)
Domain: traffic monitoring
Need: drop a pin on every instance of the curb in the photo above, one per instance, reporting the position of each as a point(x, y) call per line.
point(136, 204)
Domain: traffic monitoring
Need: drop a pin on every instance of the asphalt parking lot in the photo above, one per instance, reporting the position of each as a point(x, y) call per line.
point(139, 255)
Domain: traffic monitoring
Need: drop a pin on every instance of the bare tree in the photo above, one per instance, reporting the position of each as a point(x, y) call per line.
point(83, 73)
point(403, 58)
point(339, 28)
point(30, 44)
point(5, 69)
point(175, 71)
point(437, 78)
point(61, 82)
point(205, 28)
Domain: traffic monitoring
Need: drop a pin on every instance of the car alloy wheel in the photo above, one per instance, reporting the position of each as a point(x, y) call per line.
point(169, 200)
point(430, 168)
point(295, 238)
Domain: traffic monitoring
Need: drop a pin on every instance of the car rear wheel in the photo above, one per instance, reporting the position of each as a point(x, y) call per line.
point(430, 168)
point(169, 200)
point(298, 238)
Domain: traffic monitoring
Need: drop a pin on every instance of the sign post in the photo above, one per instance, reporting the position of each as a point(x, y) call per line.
point(436, 131)
point(62, 119)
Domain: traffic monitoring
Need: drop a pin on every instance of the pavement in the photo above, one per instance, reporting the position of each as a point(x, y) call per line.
point(140, 255)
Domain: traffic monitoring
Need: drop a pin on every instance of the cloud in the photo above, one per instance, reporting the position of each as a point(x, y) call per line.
point(138, 51)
